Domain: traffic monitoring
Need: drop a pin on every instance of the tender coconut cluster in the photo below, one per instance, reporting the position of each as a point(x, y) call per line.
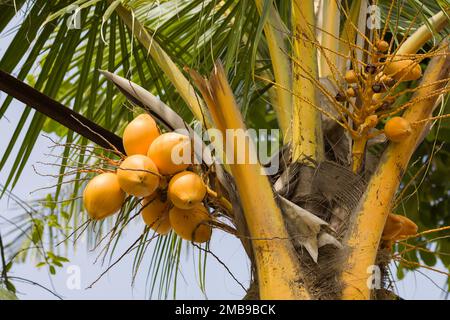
point(176, 205)
point(397, 227)
point(394, 70)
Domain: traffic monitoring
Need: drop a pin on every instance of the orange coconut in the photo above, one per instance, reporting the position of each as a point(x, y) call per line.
point(382, 45)
point(103, 196)
point(168, 152)
point(138, 175)
point(398, 226)
point(351, 76)
point(387, 80)
point(409, 227)
point(155, 213)
point(403, 70)
point(351, 92)
point(397, 129)
point(192, 224)
point(393, 227)
point(139, 135)
point(186, 189)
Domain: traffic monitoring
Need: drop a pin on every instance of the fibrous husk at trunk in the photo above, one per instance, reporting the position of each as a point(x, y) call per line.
point(331, 186)
point(332, 193)
point(305, 228)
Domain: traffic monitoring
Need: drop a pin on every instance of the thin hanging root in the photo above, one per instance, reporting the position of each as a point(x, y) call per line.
point(58, 185)
point(111, 234)
point(90, 150)
point(413, 263)
point(426, 232)
point(65, 174)
point(79, 163)
point(220, 199)
point(414, 248)
point(222, 226)
point(73, 145)
point(414, 101)
point(128, 250)
point(403, 92)
point(101, 137)
point(424, 167)
point(444, 116)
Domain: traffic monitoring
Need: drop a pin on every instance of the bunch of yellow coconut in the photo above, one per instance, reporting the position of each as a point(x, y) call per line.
point(396, 69)
point(172, 195)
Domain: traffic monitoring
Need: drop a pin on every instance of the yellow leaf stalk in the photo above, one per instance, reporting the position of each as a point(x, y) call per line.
point(307, 139)
point(414, 42)
point(329, 36)
point(275, 32)
point(375, 205)
point(278, 272)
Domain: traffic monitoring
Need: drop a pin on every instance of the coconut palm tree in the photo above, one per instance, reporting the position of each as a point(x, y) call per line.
point(357, 90)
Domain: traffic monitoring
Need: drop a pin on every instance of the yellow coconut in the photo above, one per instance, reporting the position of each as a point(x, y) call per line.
point(103, 196)
point(371, 121)
point(168, 152)
point(351, 92)
point(186, 189)
point(393, 227)
point(138, 175)
point(192, 224)
point(387, 80)
point(397, 129)
point(398, 227)
point(139, 135)
point(409, 227)
point(351, 76)
point(155, 213)
point(403, 70)
point(382, 45)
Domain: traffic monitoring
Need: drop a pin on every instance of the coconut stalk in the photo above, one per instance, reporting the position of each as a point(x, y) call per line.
point(275, 32)
point(307, 138)
point(278, 272)
point(375, 205)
